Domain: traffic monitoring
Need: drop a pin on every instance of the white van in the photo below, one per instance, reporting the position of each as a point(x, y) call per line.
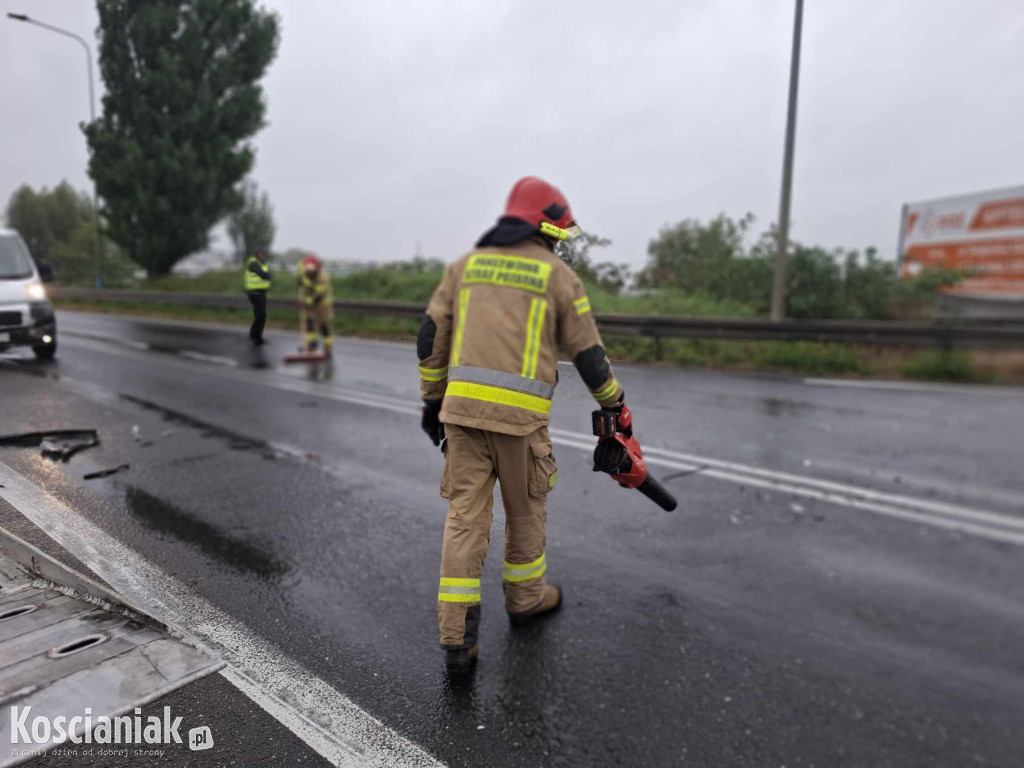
point(26, 315)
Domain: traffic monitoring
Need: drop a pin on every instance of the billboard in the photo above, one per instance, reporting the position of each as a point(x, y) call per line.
point(982, 234)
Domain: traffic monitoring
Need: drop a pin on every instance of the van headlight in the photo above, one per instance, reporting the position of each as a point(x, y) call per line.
point(35, 291)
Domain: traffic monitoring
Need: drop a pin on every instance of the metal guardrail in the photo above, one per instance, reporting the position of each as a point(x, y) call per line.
point(897, 334)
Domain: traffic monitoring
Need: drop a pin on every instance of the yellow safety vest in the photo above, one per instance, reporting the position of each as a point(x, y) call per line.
point(254, 282)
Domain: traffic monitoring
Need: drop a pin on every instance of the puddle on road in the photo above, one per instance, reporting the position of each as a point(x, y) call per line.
point(164, 517)
point(774, 406)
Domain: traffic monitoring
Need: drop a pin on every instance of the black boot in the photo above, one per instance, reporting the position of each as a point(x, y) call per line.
point(465, 654)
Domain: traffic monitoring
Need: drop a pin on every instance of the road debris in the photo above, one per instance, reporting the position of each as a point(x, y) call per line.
point(306, 357)
point(106, 472)
point(57, 444)
point(161, 436)
point(145, 442)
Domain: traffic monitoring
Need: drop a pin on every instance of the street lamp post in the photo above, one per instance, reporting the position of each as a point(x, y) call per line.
point(779, 281)
point(97, 242)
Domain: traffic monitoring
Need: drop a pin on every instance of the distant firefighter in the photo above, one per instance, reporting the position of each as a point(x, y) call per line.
point(316, 305)
point(257, 283)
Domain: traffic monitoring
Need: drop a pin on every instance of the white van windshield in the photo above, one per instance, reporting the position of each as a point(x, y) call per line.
point(14, 261)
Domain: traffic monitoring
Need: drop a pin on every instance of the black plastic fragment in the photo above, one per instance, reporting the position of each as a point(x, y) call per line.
point(57, 444)
point(106, 472)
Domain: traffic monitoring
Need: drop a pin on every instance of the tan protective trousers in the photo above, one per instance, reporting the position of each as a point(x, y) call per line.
point(316, 320)
point(525, 469)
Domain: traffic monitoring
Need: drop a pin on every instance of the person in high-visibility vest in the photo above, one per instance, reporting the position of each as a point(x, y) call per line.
point(257, 283)
point(316, 305)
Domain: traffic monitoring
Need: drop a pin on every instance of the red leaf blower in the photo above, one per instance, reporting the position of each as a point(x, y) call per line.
point(618, 453)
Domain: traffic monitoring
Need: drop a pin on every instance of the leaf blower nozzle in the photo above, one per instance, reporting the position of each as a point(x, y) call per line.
point(618, 453)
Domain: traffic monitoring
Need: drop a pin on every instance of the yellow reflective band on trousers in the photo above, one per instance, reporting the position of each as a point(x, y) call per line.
point(460, 325)
point(498, 395)
point(607, 392)
point(515, 572)
point(582, 305)
point(534, 327)
point(459, 590)
point(433, 374)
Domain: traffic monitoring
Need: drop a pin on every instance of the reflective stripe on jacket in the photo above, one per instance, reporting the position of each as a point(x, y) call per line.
point(257, 275)
point(315, 290)
point(495, 325)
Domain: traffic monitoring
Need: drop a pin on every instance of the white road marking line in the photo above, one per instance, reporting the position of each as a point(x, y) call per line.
point(272, 379)
point(838, 499)
point(143, 346)
point(914, 386)
point(202, 357)
point(940, 515)
point(240, 330)
point(280, 685)
point(942, 508)
point(978, 493)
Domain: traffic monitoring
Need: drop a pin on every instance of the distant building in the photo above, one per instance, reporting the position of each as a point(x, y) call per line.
point(205, 261)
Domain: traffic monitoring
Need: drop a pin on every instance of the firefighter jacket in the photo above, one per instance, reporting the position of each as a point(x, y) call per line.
point(257, 275)
point(489, 342)
point(315, 290)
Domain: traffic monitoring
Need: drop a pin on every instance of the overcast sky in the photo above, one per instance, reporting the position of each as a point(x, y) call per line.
point(397, 123)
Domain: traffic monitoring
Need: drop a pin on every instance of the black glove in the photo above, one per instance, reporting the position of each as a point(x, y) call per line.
point(430, 423)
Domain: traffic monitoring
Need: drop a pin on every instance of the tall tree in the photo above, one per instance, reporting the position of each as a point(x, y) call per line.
point(59, 229)
point(251, 226)
point(47, 217)
point(182, 99)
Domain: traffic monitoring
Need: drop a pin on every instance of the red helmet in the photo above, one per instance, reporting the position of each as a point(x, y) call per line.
point(310, 263)
point(535, 201)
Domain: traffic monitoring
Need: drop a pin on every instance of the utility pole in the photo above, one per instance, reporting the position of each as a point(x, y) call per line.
point(97, 240)
point(779, 280)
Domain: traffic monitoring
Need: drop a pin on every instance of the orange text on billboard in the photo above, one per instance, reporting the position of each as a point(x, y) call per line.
point(992, 266)
point(1000, 214)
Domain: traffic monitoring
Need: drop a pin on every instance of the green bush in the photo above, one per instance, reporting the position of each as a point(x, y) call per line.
point(806, 357)
point(941, 365)
point(713, 260)
point(403, 281)
point(222, 281)
point(668, 302)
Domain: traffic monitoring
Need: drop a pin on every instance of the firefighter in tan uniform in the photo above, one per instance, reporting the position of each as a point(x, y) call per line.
point(488, 352)
point(316, 305)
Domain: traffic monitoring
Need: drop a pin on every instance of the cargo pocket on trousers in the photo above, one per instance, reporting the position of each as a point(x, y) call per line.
point(543, 471)
point(446, 477)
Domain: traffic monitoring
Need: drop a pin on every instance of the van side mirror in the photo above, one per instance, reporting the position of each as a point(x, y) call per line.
point(45, 272)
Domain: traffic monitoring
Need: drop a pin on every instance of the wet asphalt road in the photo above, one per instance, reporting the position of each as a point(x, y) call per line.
point(758, 625)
